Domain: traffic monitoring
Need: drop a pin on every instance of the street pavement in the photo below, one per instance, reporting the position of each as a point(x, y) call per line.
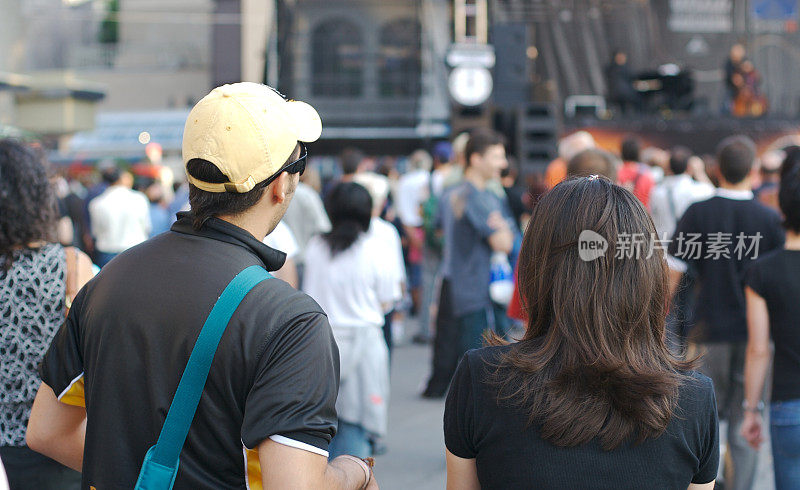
point(415, 442)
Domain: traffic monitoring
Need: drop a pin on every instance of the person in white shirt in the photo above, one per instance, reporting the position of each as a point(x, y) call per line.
point(388, 240)
point(675, 193)
point(412, 191)
point(345, 274)
point(283, 239)
point(120, 217)
point(307, 218)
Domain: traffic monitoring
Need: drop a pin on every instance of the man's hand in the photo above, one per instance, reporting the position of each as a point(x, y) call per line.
point(496, 221)
point(752, 429)
point(502, 240)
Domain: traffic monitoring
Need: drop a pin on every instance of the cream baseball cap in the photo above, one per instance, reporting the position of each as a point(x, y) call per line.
point(248, 131)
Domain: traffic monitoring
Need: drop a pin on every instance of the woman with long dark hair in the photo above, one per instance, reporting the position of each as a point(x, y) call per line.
point(38, 279)
point(346, 274)
point(591, 397)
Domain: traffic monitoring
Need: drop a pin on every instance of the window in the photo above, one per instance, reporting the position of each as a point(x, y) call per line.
point(338, 59)
point(399, 59)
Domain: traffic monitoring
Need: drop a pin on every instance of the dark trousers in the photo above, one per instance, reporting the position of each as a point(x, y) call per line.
point(447, 345)
point(724, 363)
point(27, 469)
point(474, 325)
point(387, 333)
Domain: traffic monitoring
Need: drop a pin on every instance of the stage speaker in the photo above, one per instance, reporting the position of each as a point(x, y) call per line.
point(537, 130)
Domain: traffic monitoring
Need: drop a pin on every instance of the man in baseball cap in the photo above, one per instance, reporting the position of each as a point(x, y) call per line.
point(267, 413)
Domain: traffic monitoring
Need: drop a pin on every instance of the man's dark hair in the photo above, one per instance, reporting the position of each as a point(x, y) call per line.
point(28, 203)
point(111, 174)
point(349, 207)
point(789, 199)
point(791, 160)
point(679, 159)
point(593, 162)
point(351, 159)
point(205, 205)
point(735, 157)
point(789, 193)
point(630, 149)
point(480, 140)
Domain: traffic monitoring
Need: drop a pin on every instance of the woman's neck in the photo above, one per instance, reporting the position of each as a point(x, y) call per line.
point(792, 241)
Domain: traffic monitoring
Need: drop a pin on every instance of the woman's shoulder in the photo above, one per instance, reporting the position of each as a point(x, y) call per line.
point(696, 391)
point(43, 254)
point(485, 360)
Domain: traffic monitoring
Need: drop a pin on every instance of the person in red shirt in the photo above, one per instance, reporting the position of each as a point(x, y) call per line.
point(635, 176)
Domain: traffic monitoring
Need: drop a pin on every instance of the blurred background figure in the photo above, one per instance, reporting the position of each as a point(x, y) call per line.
point(594, 162)
point(344, 274)
point(38, 280)
point(306, 218)
point(676, 192)
point(657, 160)
point(120, 216)
point(773, 307)
point(160, 219)
point(283, 239)
point(387, 239)
point(769, 171)
point(634, 175)
point(732, 79)
point(568, 147)
point(413, 189)
point(620, 84)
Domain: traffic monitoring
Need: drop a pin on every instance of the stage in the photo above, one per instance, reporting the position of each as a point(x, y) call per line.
point(700, 134)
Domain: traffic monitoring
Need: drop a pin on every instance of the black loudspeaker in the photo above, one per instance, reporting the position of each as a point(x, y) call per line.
point(537, 129)
point(511, 76)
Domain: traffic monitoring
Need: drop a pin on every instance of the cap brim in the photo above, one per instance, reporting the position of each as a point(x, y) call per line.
point(307, 125)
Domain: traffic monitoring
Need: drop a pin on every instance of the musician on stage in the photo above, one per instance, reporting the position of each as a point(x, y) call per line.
point(620, 84)
point(733, 79)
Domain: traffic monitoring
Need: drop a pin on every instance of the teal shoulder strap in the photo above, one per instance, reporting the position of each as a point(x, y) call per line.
point(161, 462)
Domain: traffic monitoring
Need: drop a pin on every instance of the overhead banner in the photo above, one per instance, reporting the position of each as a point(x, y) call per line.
point(700, 16)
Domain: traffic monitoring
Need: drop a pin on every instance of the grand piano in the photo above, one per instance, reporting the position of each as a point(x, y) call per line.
point(666, 87)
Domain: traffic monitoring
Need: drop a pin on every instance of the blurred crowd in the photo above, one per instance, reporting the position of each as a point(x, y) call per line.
point(424, 248)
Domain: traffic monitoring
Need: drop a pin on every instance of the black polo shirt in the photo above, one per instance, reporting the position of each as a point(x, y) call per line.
point(128, 337)
point(731, 234)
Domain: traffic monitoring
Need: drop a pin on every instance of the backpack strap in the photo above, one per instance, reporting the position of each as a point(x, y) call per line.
point(161, 461)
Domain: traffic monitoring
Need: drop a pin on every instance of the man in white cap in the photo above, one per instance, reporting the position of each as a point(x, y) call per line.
point(267, 412)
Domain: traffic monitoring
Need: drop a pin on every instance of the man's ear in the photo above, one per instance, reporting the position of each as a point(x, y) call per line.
point(280, 188)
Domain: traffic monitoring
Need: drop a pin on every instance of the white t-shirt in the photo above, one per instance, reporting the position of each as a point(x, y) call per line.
point(120, 219)
point(351, 286)
point(672, 197)
point(388, 240)
point(282, 239)
point(412, 190)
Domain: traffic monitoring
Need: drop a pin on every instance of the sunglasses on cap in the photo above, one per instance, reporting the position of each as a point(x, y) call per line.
point(296, 167)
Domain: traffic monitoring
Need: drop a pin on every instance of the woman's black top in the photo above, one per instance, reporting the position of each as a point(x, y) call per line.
point(511, 454)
